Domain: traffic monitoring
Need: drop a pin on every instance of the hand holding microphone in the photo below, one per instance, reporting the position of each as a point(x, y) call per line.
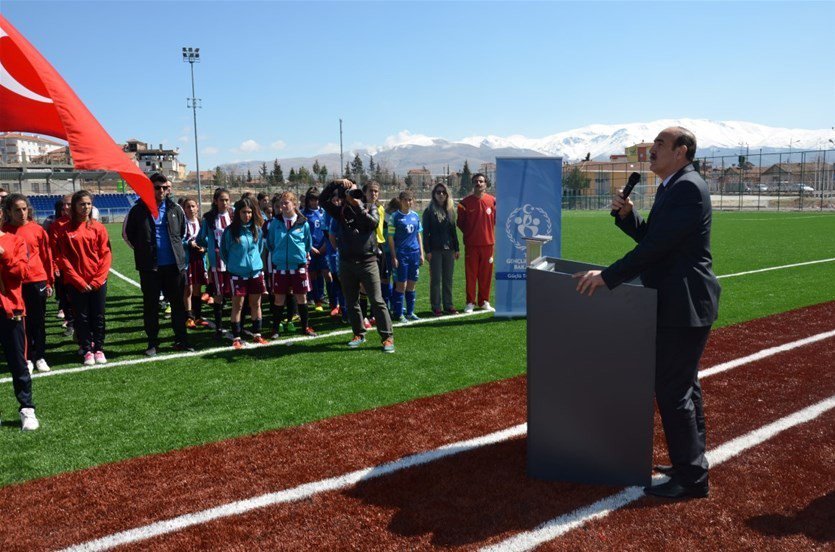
point(620, 202)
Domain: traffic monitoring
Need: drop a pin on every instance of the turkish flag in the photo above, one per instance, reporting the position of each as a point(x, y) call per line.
point(34, 98)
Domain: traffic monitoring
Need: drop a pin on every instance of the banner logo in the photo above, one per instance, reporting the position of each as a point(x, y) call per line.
point(526, 221)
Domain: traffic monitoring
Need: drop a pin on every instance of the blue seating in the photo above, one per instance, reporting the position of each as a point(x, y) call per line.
point(109, 205)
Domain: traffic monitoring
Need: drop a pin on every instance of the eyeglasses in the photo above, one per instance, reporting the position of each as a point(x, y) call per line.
point(440, 192)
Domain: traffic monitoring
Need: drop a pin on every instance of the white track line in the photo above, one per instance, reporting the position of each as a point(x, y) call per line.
point(213, 350)
point(335, 483)
point(775, 268)
point(125, 278)
point(577, 518)
point(296, 493)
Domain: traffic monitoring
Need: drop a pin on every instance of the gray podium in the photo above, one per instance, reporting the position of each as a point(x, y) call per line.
point(591, 370)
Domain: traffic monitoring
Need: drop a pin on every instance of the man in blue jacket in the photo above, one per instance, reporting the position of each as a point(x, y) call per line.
point(160, 258)
point(673, 257)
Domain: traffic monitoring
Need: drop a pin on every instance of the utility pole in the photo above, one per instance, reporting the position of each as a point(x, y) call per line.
point(341, 159)
point(192, 56)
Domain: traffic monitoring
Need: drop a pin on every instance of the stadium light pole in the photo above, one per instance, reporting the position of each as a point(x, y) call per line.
point(192, 56)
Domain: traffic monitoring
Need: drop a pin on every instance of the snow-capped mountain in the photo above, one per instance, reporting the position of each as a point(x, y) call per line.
point(405, 150)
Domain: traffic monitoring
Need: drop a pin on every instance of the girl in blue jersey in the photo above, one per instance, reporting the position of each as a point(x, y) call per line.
point(335, 297)
point(318, 262)
point(406, 256)
point(241, 247)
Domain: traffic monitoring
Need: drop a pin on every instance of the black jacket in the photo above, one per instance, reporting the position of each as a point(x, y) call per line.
point(358, 239)
point(673, 253)
point(139, 231)
point(439, 235)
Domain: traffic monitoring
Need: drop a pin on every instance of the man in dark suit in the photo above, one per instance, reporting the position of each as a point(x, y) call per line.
point(673, 257)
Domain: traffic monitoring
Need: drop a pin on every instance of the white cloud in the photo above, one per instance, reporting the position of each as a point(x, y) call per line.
point(249, 146)
point(406, 137)
point(278, 145)
point(211, 150)
point(330, 147)
point(184, 138)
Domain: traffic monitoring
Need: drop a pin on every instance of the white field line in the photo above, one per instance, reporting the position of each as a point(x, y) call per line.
point(296, 493)
point(572, 520)
point(768, 269)
point(227, 348)
point(125, 278)
point(335, 483)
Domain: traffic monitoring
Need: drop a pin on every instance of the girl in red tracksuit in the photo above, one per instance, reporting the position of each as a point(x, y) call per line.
point(17, 219)
point(14, 268)
point(85, 258)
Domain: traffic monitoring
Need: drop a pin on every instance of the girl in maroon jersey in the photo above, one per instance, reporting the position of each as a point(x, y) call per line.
point(196, 273)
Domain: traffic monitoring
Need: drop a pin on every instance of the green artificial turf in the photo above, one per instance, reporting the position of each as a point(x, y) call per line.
point(117, 413)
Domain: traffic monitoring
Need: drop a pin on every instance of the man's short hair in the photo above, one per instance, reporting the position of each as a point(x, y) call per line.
point(686, 138)
point(158, 178)
point(476, 175)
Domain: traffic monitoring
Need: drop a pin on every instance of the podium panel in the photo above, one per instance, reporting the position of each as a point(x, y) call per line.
point(591, 370)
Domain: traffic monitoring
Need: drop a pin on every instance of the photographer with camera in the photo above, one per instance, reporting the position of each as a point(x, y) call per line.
point(358, 251)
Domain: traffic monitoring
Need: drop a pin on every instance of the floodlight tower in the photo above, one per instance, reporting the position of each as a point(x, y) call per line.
point(192, 56)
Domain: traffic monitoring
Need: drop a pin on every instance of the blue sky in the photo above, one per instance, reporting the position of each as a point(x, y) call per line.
point(275, 77)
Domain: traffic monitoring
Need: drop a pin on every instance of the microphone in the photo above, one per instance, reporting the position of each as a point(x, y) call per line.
point(634, 178)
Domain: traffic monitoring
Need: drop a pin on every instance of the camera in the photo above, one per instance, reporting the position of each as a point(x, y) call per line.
point(356, 194)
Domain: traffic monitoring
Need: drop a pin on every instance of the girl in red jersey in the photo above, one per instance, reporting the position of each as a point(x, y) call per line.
point(196, 274)
point(17, 217)
point(14, 268)
point(85, 262)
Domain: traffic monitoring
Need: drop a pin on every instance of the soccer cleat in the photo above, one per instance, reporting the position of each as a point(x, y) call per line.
point(295, 318)
point(258, 340)
point(99, 356)
point(437, 312)
point(69, 331)
point(319, 307)
point(486, 306)
point(366, 324)
point(191, 324)
point(237, 343)
point(89, 359)
point(200, 323)
point(151, 351)
point(276, 335)
point(60, 315)
point(388, 345)
point(402, 319)
point(373, 321)
point(412, 316)
point(41, 365)
point(309, 332)
point(288, 327)
point(183, 347)
point(469, 308)
point(356, 341)
point(205, 297)
point(28, 420)
point(335, 312)
point(30, 366)
point(451, 310)
point(167, 311)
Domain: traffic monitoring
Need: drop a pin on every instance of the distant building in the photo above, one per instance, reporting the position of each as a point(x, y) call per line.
point(639, 153)
point(59, 156)
point(16, 148)
point(419, 179)
point(151, 160)
point(207, 178)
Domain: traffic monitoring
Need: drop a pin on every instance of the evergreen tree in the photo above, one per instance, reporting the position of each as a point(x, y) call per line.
point(371, 166)
point(347, 169)
point(575, 180)
point(357, 168)
point(466, 180)
point(264, 174)
point(316, 167)
point(323, 174)
point(278, 174)
point(220, 177)
point(292, 177)
point(248, 176)
point(303, 176)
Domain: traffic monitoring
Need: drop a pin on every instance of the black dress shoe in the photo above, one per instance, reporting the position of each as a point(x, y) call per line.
point(664, 469)
point(674, 489)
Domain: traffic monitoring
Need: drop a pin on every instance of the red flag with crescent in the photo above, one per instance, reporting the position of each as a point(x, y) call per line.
point(34, 98)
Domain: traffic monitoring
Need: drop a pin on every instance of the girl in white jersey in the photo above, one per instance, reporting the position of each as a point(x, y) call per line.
point(196, 273)
point(211, 232)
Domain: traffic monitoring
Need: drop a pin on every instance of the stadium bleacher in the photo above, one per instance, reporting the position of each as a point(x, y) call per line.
point(110, 206)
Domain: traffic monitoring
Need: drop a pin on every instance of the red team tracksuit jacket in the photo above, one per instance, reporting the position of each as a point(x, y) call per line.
point(14, 268)
point(477, 221)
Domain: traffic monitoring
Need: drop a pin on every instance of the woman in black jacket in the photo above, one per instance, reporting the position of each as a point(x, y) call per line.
point(440, 239)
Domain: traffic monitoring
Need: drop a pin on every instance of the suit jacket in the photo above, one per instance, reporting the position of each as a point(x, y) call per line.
point(673, 253)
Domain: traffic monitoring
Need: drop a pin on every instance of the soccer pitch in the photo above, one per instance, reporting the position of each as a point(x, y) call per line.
point(119, 412)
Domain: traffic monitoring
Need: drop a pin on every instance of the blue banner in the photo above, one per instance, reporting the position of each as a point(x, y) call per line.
point(528, 203)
